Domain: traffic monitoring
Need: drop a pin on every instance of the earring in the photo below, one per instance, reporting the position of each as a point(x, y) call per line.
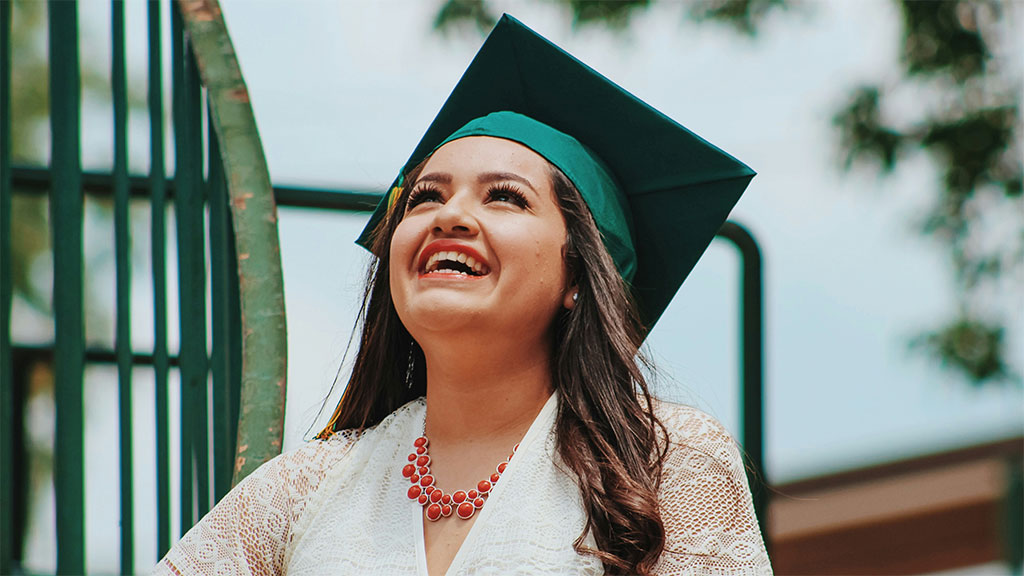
point(411, 366)
point(576, 296)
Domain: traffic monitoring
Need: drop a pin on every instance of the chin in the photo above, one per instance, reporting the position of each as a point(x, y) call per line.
point(440, 313)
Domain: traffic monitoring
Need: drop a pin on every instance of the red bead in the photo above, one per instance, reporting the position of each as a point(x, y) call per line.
point(408, 470)
point(423, 460)
point(484, 487)
point(466, 510)
point(446, 499)
point(478, 503)
point(472, 494)
point(422, 499)
point(459, 497)
point(433, 512)
point(414, 492)
point(428, 489)
point(424, 470)
point(446, 510)
point(420, 450)
point(412, 457)
point(426, 480)
point(516, 447)
point(414, 478)
point(501, 467)
point(420, 442)
point(436, 495)
point(494, 477)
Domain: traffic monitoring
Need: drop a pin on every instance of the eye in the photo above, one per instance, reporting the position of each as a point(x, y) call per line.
point(422, 194)
point(507, 193)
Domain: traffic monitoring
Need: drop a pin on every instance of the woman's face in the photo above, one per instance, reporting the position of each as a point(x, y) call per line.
point(480, 248)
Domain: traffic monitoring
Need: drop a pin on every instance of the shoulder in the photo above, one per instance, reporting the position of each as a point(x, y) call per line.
point(696, 435)
point(247, 531)
point(313, 455)
point(291, 477)
point(704, 500)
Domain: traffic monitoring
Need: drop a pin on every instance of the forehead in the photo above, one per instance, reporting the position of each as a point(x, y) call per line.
point(476, 154)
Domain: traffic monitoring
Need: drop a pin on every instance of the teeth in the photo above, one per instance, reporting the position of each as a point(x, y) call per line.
point(453, 256)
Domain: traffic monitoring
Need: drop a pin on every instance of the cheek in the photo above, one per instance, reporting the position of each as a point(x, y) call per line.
point(548, 260)
point(402, 246)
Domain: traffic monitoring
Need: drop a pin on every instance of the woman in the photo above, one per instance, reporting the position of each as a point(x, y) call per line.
point(496, 420)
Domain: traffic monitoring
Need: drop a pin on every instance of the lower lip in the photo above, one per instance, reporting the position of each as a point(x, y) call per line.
point(449, 276)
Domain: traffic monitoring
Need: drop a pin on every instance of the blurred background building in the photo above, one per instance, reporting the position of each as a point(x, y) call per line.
point(888, 212)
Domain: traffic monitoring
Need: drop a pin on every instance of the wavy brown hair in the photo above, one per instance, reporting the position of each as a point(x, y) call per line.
point(606, 430)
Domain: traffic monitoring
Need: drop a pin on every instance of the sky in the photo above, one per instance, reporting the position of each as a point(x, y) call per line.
point(342, 92)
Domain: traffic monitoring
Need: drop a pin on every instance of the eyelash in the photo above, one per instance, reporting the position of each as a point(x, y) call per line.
point(421, 195)
point(514, 194)
point(425, 193)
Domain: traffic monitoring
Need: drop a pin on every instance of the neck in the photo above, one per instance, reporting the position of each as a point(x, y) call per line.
point(476, 392)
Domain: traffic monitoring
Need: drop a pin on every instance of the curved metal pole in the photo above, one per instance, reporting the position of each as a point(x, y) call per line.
point(752, 352)
point(264, 341)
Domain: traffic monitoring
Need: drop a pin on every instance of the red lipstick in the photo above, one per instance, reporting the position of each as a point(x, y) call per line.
point(447, 245)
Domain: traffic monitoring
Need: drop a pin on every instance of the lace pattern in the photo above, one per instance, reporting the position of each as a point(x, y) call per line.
point(339, 506)
point(706, 504)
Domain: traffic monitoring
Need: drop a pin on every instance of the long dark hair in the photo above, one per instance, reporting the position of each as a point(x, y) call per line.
point(606, 430)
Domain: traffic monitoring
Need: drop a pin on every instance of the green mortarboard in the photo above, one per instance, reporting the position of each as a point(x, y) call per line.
point(677, 188)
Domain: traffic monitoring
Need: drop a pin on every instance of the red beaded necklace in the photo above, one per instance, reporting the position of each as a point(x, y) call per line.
point(438, 504)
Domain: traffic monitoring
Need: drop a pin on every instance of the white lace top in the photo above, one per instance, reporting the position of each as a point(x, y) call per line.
point(339, 506)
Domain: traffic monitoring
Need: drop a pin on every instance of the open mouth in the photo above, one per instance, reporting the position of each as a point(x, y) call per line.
point(454, 262)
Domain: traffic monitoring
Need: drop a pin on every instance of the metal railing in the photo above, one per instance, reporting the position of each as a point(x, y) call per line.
point(237, 364)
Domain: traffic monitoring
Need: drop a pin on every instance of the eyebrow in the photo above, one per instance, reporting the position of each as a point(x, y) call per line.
point(489, 177)
point(485, 178)
point(440, 177)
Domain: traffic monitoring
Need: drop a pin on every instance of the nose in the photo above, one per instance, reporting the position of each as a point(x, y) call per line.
point(455, 217)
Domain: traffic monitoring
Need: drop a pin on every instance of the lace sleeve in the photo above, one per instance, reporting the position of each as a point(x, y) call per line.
point(245, 534)
point(710, 527)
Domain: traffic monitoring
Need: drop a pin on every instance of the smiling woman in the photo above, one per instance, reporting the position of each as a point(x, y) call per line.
point(497, 419)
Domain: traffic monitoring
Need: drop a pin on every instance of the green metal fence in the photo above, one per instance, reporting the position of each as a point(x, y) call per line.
point(245, 292)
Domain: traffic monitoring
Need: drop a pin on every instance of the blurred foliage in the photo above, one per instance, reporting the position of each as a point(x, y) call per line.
point(30, 140)
point(742, 15)
point(973, 135)
point(970, 346)
point(30, 104)
point(455, 13)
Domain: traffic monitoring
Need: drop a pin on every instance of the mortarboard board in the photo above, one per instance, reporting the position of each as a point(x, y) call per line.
point(678, 188)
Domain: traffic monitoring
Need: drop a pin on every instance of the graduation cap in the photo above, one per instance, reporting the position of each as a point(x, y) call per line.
point(657, 191)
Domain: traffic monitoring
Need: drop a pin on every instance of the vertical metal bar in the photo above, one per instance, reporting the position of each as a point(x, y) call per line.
point(66, 222)
point(158, 210)
point(6, 294)
point(185, 361)
point(197, 245)
point(221, 268)
point(191, 281)
point(1013, 515)
point(122, 249)
point(752, 350)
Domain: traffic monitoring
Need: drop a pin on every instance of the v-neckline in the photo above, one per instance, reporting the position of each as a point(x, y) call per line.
point(419, 518)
